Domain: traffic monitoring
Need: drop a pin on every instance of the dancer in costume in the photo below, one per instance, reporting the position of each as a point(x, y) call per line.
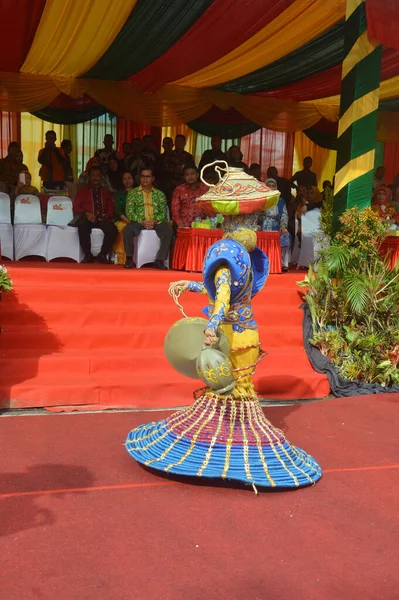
point(227, 436)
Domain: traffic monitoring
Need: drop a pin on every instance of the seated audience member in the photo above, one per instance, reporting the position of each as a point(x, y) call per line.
point(53, 161)
point(327, 190)
point(115, 174)
point(134, 162)
point(146, 208)
point(10, 168)
point(378, 178)
point(381, 201)
point(255, 171)
point(120, 216)
point(305, 177)
point(313, 198)
point(25, 185)
point(234, 158)
point(84, 177)
point(104, 154)
point(96, 205)
point(149, 153)
point(178, 159)
point(283, 184)
point(209, 156)
point(184, 206)
point(277, 216)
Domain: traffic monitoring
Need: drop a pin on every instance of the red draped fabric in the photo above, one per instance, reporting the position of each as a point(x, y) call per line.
point(18, 24)
point(269, 148)
point(391, 161)
point(390, 250)
point(328, 83)
point(383, 21)
point(127, 130)
point(225, 25)
point(10, 130)
point(192, 245)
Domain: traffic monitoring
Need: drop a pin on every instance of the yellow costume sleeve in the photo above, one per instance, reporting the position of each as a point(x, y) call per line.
point(222, 300)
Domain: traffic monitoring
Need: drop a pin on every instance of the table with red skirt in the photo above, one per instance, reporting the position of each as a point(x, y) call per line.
point(390, 250)
point(192, 244)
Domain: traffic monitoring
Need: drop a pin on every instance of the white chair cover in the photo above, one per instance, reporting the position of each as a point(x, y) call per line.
point(62, 241)
point(5, 208)
point(27, 210)
point(6, 229)
point(30, 235)
point(147, 247)
point(310, 231)
point(59, 211)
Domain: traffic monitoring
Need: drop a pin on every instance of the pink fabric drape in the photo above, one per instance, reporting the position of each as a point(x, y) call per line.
point(269, 148)
point(10, 130)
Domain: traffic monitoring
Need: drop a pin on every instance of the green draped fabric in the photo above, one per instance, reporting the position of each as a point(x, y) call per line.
point(209, 129)
point(321, 53)
point(147, 34)
point(70, 117)
point(322, 138)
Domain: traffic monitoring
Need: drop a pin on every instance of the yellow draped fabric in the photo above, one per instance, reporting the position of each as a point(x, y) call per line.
point(277, 39)
point(74, 34)
point(191, 136)
point(323, 160)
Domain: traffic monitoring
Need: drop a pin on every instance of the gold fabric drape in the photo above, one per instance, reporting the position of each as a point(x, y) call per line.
point(277, 39)
point(74, 34)
point(323, 160)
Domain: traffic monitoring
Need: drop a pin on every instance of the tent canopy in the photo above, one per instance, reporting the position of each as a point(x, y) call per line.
point(213, 64)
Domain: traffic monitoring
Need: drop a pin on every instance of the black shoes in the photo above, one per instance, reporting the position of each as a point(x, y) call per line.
point(129, 264)
point(159, 264)
point(89, 258)
point(101, 258)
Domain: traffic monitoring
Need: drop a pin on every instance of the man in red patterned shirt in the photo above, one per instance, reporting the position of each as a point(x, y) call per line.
point(184, 207)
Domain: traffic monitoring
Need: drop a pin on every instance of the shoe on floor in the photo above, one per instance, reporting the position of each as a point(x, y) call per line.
point(101, 258)
point(159, 264)
point(129, 264)
point(89, 258)
point(285, 269)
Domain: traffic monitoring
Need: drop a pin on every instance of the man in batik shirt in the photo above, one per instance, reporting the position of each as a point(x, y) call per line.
point(184, 206)
point(146, 208)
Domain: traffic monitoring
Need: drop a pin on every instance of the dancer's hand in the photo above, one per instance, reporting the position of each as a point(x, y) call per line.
point(210, 337)
point(182, 284)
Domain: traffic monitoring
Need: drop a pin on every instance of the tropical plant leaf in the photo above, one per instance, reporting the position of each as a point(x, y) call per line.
point(357, 292)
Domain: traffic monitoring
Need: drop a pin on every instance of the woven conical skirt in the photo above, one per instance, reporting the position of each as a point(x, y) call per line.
point(223, 438)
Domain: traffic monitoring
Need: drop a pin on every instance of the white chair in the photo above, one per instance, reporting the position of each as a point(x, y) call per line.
point(62, 241)
point(96, 239)
point(6, 229)
point(147, 246)
point(30, 234)
point(310, 231)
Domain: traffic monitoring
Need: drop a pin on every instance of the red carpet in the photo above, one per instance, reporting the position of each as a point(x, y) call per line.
point(78, 335)
point(82, 521)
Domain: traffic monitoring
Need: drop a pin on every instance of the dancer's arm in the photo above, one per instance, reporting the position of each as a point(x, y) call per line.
point(222, 304)
point(191, 286)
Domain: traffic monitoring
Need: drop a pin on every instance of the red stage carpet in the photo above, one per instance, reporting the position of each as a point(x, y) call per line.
point(82, 521)
point(78, 335)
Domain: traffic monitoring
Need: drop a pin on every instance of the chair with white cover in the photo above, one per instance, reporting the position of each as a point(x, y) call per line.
point(147, 246)
point(30, 234)
point(310, 231)
point(6, 229)
point(96, 239)
point(62, 240)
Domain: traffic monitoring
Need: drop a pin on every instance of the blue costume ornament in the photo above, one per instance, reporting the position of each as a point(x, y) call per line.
point(226, 435)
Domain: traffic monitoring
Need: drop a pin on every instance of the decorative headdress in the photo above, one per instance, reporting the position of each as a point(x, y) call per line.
point(240, 198)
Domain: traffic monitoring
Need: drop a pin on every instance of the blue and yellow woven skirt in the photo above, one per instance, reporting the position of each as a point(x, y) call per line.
point(223, 438)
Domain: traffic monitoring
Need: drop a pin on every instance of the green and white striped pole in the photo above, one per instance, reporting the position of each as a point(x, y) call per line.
point(357, 127)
